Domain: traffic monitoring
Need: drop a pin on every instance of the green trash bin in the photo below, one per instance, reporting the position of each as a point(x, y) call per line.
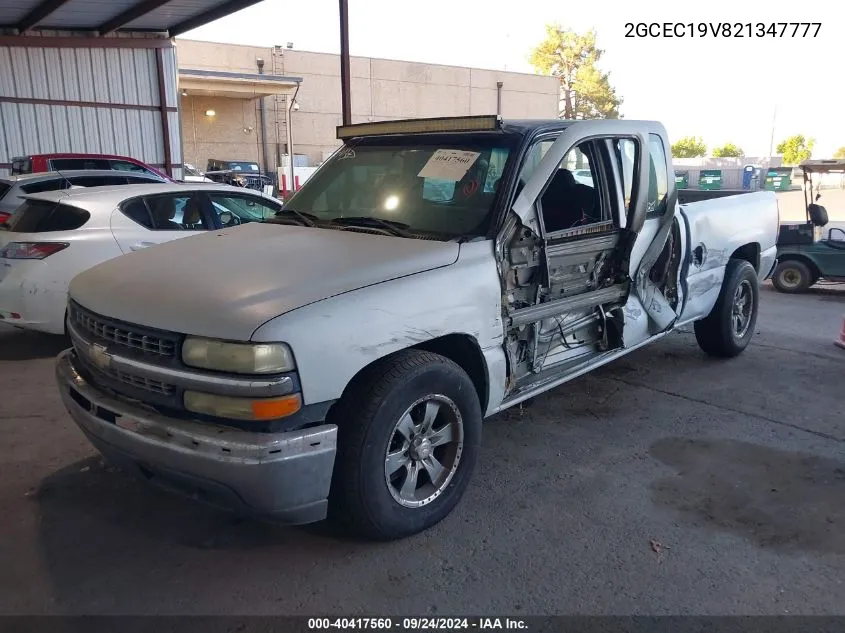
point(779, 179)
point(710, 179)
point(681, 180)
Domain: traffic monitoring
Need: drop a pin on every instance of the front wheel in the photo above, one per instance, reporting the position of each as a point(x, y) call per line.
point(792, 276)
point(409, 435)
point(728, 329)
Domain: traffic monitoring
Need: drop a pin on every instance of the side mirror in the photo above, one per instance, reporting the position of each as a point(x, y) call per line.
point(225, 218)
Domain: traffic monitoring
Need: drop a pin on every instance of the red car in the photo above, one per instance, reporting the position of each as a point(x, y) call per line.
point(39, 163)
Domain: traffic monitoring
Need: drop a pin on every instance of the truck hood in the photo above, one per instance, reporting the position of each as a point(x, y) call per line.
point(225, 284)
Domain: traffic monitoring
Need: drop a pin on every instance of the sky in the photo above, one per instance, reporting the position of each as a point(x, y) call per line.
point(723, 89)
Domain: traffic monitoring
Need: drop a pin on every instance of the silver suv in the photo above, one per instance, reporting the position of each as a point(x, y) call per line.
point(12, 188)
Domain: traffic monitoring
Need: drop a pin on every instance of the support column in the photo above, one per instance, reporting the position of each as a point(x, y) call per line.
point(165, 123)
point(345, 92)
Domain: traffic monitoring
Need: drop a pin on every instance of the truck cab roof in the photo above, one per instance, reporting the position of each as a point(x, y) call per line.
point(457, 125)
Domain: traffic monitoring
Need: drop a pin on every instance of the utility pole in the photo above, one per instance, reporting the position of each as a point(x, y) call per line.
point(345, 92)
point(262, 111)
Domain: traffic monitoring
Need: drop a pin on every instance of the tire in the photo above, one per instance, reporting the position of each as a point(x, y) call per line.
point(792, 276)
point(727, 330)
point(363, 496)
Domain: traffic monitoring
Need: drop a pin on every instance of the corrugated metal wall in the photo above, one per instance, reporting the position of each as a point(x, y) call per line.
point(127, 78)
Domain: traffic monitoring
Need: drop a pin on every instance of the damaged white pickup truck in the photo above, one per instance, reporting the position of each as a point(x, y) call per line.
point(339, 359)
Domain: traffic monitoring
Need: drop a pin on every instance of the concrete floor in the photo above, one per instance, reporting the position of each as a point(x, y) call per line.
point(667, 483)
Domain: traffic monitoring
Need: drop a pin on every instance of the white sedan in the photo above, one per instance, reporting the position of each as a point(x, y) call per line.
point(56, 235)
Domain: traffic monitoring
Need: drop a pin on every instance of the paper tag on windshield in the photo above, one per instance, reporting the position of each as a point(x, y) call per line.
point(448, 164)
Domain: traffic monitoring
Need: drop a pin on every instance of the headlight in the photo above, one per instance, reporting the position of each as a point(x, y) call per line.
point(242, 408)
point(238, 358)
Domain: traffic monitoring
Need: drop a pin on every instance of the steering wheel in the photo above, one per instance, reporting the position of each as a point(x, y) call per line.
point(228, 219)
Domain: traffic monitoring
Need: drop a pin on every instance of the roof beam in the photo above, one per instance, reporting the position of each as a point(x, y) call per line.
point(216, 13)
point(39, 13)
point(132, 13)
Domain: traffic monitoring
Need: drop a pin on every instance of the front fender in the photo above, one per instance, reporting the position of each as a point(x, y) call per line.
point(334, 339)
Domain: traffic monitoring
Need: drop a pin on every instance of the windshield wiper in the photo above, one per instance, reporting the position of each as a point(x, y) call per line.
point(306, 218)
point(395, 228)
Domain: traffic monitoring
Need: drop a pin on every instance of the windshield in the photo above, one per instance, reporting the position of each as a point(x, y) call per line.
point(243, 166)
point(446, 189)
point(21, 166)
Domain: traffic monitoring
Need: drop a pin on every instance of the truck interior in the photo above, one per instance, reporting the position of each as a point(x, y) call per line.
point(567, 306)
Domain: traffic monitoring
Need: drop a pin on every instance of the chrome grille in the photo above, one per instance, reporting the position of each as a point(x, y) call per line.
point(122, 334)
point(256, 182)
point(139, 382)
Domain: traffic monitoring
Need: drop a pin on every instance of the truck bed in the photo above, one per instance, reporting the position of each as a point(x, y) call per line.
point(686, 196)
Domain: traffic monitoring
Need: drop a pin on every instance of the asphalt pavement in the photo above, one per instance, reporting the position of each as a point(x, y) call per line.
point(666, 483)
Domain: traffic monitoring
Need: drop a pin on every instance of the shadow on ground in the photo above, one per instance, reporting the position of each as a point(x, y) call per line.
point(21, 345)
point(93, 493)
point(95, 518)
point(776, 498)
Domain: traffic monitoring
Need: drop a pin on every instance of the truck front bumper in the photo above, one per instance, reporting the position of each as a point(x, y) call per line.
point(283, 476)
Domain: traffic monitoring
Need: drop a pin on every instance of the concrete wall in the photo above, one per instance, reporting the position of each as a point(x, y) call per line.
point(710, 162)
point(231, 134)
point(381, 90)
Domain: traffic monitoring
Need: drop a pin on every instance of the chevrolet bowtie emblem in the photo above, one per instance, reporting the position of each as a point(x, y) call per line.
point(99, 356)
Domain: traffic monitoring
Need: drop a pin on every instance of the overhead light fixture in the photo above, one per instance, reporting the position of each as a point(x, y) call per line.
point(210, 113)
point(184, 93)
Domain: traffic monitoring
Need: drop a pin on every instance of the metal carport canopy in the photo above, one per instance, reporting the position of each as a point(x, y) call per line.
point(101, 17)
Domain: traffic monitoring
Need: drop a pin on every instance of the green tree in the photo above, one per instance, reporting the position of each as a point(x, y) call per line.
point(728, 150)
point(795, 149)
point(585, 90)
point(840, 153)
point(689, 147)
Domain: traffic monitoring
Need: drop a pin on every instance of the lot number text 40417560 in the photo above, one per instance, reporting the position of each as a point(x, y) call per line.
point(722, 29)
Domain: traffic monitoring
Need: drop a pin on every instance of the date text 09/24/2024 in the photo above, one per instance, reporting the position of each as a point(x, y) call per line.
point(722, 29)
point(415, 624)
